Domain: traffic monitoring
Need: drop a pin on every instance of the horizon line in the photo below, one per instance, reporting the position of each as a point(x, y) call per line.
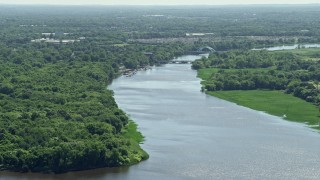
point(231, 4)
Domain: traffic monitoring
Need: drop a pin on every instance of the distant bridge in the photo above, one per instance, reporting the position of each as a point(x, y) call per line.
point(180, 62)
point(202, 50)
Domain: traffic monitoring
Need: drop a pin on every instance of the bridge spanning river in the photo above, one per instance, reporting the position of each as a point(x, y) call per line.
point(180, 62)
point(200, 52)
point(188, 59)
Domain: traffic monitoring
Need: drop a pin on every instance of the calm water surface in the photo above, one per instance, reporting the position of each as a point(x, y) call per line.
point(290, 47)
point(190, 135)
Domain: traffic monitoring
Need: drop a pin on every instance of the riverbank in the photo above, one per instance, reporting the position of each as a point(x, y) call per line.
point(281, 83)
point(275, 103)
point(270, 101)
point(211, 133)
point(137, 154)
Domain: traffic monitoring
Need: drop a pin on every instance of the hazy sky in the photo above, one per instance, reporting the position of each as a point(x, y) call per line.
point(157, 2)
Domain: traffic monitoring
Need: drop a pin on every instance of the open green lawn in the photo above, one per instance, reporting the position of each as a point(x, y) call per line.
point(131, 132)
point(206, 73)
point(136, 138)
point(275, 103)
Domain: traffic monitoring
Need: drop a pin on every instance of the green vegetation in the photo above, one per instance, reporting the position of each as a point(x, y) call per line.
point(56, 114)
point(257, 74)
point(130, 132)
point(206, 73)
point(61, 117)
point(273, 102)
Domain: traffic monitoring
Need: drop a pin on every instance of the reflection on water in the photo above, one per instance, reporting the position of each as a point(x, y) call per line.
point(190, 135)
point(190, 57)
point(81, 175)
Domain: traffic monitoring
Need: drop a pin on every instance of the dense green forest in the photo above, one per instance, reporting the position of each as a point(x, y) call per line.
point(56, 113)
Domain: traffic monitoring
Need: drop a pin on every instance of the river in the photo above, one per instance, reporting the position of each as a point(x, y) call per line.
point(190, 135)
point(290, 47)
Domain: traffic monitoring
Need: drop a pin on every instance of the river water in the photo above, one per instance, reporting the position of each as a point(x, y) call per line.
point(190, 135)
point(290, 47)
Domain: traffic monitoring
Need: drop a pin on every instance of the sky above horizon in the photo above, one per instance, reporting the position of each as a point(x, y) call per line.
point(158, 2)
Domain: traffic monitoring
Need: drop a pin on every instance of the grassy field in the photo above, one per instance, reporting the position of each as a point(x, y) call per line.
point(206, 73)
point(135, 138)
point(273, 102)
point(131, 132)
